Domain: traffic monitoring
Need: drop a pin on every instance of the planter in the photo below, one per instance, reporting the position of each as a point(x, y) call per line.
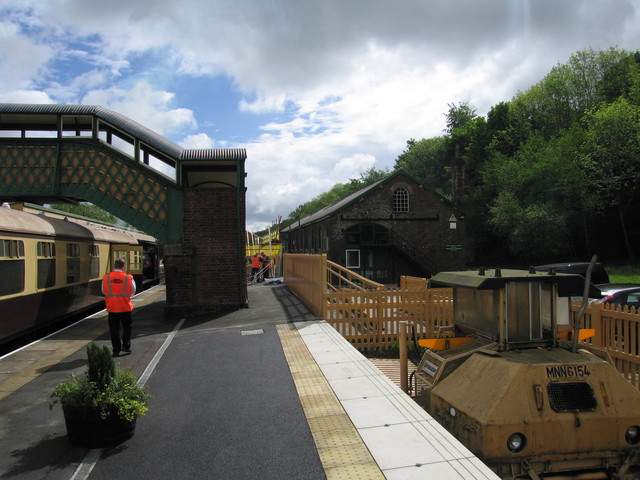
point(86, 428)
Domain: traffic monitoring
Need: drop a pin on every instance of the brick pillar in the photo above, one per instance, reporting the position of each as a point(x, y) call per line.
point(207, 272)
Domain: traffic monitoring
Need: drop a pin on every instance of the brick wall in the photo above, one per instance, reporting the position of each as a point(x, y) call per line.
point(207, 272)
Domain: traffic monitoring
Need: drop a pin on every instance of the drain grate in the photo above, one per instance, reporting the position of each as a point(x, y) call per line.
point(252, 332)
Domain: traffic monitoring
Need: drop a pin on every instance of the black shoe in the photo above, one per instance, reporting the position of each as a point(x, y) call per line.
point(126, 349)
point(116, 354)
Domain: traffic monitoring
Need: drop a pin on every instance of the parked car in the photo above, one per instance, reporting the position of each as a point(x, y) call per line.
point(598, 274)
point(620, 294)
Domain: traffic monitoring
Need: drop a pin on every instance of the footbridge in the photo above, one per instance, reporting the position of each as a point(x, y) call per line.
point(191, 200)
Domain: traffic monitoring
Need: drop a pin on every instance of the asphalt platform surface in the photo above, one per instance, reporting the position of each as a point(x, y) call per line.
point(224, 402)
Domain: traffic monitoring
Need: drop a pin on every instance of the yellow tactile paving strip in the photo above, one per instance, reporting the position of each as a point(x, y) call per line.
point(342, 452)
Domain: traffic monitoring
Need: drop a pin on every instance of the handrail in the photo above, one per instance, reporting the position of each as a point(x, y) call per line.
point(338, 276)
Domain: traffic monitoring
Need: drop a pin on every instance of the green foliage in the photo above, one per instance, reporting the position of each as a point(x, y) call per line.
point(459, 116)
point(569, 90)
point(626, 273)
point(105, 388)
point(612, 148)
point(87, 210)
point(101, 368)
point(544, 170)
point(521, 223)
point(428, 161)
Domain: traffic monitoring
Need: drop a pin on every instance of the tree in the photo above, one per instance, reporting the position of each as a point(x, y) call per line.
point(536, 153)
point(366, 178)
point(611, 157)
point(426, 160)
point(534, 231)
point(569, 90)
point(459, 116)
point(459, 119)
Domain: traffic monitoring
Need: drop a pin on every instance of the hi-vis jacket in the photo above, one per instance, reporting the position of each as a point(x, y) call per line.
point(118, 288)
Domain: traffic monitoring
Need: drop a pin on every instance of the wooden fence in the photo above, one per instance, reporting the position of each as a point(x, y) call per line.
point(368, 314)
point(617, 328)
point(305, 275)
point(370, 319)
point(365, 312)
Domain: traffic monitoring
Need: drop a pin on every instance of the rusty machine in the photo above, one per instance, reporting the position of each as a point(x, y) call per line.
point(509, 383)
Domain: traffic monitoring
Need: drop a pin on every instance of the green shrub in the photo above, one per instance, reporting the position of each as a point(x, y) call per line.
point(105, 388)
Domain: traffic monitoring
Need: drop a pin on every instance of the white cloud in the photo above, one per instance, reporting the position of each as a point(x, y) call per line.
point(200, 140)
point(353, 166)
point(145, 105)
point(21, 59)
point(25, 96)
point(262, 104)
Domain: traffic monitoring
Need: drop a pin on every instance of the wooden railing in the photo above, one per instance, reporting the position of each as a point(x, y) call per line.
point(305, 275)
point(617, 328)
point(369, 319)
point(413, 283)
point(339, 277)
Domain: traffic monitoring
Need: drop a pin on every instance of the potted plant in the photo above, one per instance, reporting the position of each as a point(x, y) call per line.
point(101, 407)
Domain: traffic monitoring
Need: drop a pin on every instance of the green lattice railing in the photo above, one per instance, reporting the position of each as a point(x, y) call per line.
point(88, 170)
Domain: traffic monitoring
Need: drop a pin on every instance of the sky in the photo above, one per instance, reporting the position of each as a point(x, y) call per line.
point(317, 92)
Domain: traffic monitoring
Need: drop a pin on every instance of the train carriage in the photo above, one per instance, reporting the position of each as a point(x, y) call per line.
point(52, 268)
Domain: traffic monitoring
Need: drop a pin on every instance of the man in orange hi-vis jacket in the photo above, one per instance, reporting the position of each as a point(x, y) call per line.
point(118, 287)
point(255, 268)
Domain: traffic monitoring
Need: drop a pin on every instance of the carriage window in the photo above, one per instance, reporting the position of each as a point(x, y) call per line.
point(135, 260)
point(46, 249)
point(401, 200)
point(11, 267)
point(73, 262)
point(94, 259)
point(46, 252)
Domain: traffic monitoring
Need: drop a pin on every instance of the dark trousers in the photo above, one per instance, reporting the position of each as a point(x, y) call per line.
point(115, 320)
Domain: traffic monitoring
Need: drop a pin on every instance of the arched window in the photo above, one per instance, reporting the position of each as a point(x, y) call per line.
point(401, 200)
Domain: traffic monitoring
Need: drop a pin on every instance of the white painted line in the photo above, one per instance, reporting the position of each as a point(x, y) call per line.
point(156, 358)
point(91, 458)
point(252, 332)
point(86, 465)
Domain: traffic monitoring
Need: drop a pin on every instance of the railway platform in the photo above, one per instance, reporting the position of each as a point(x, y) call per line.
point(266, 392)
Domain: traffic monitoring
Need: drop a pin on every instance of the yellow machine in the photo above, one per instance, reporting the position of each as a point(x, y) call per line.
point(510, 388)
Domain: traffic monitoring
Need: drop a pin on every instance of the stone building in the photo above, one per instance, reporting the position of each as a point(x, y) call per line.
point(391, 228)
